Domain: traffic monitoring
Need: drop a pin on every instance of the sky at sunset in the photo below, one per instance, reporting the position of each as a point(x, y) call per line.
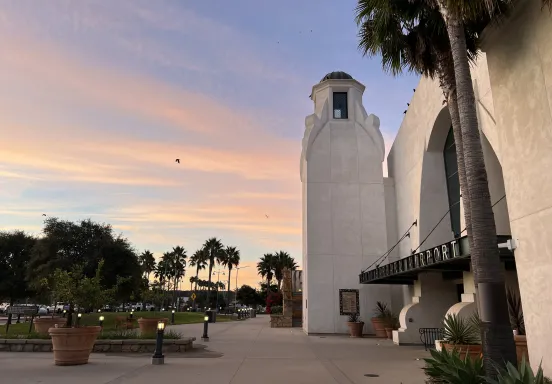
point(99, 97)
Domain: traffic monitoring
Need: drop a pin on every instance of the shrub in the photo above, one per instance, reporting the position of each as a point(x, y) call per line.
point(277, 310)
point(460, 331)
point(525, 375)
point(134, 335)
point(448, 367)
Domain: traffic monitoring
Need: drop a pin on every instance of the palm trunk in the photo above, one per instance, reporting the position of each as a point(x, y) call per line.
point(228, 297)
point(497, 337)
point(209, 298)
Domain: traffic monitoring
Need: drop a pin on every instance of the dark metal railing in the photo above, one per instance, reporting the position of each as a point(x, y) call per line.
point(429, 335)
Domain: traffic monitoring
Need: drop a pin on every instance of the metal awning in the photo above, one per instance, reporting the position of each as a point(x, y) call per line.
point(451, 259)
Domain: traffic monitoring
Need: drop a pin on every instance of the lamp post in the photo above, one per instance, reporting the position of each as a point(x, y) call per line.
point(205, 336)
point(237, 270)
point(101, 321)
point(218, 281)
point(64, 313)
point(158, 358)
point(131, 315)
point(79, 315)
point(172, 317)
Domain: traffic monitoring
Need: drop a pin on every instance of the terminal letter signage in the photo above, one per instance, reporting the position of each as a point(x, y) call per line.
point(447, 251)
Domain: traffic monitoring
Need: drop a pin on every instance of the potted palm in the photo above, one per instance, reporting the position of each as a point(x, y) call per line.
point(381, 319)
point(518, 324)
point(462, 335)
point(355, 324)
point(72, 343)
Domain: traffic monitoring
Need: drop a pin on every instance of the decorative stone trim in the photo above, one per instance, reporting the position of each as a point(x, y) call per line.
point(280, 321)
point(100, 346)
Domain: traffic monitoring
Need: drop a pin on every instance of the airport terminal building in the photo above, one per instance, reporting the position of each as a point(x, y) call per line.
point(352, 214)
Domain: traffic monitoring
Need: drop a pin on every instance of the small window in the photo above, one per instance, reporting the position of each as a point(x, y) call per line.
point(340, 105)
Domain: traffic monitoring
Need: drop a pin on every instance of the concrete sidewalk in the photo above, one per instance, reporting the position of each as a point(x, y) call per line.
point(243, 352)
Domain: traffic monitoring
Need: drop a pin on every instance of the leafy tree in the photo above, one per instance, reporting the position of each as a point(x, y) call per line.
point(265, 267)
point(215, 253)
point(15, 254)
point(147, 262)
point(282, 260)
point(247, 295)
point(75, 288)
point(230, 260)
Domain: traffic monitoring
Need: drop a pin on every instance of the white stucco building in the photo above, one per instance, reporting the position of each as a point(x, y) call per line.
point(352, 214)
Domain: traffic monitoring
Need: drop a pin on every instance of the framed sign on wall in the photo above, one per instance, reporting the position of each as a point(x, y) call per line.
point(348, 301)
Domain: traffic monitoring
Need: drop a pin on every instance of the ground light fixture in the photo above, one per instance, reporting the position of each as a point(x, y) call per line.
point(131, 314)
point(158, 358)
point(205, 336)
point(172, 317)
point(64, 312)
point(101, 321)
point(79, 318)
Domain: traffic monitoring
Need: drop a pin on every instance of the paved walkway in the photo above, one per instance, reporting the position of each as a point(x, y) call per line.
point(246, 352)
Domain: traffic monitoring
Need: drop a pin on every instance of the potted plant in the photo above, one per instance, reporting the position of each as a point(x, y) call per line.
point(355, 325)
point(392, 324)
point(517, 322)
point(380, 319)
point(148, 325)
point(462, 335)
point(72, 343)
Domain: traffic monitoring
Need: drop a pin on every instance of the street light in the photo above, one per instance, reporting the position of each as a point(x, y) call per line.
point(237, 270)
point(158, 358)
point(205, 336)
point(218, 280)
point(172, 317)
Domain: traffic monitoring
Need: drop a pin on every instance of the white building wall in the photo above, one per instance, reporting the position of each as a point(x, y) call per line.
point(344, 202)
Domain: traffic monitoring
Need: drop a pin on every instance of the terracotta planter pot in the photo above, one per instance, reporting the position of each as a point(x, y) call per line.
point(379, 327)
point(43, 324)
point(521, 347)
point(72, 346)
point(355, 329)
point(389, 332)
point(149, 325)
point(473, 351)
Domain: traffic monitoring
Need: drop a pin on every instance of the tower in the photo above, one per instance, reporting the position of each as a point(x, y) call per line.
point(344, 222)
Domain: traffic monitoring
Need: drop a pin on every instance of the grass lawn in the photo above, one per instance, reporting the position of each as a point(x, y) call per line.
point(110, 320)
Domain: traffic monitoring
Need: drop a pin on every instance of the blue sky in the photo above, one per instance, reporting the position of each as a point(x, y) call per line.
point(99, 97)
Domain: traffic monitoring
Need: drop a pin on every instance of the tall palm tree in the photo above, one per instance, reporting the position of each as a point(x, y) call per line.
point(215, 254)
point(265, 268)
point(230, 260)
point(198, 260)
point(282, 260)
point(178, 261)
point(147, 262)
point(417, 30)
point(193, 279)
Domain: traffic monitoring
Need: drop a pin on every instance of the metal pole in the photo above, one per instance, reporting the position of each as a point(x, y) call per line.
point(205, 336)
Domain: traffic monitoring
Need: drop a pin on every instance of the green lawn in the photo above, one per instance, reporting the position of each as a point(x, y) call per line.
point(110, 323)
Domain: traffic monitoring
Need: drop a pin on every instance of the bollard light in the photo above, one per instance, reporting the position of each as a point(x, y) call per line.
point(172, 317)
point(99, 311)
point(101, 321)
point(131, 314)
point(158, 358)
point(205, 336)
point(64, 312)
point(78, 318)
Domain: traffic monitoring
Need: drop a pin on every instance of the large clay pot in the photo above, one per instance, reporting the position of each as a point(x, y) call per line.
point(149, 325)
point(389, 332)
point(473, 351)
point(355, 329)
point(521, 348)
point(43, 324)
point(72, 346)
point(379, 327)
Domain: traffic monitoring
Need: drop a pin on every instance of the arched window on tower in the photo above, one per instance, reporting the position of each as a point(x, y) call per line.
point(453, 183)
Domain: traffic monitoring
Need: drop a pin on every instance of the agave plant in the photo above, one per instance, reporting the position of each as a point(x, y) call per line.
point(354, 318)
point(381, 311)
point(448, 367)
point(460, 331)
point(516, 312)
point(525, 375)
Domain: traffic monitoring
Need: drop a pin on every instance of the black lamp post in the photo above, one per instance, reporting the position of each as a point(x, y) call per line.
point(131, 315)
point(158, 358)
point(64, 313)
point(172, 317)
point(79, 315)
point(205, 336)
point(101, 321)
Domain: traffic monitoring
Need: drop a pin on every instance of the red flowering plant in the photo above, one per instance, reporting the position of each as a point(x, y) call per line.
point(273, 299)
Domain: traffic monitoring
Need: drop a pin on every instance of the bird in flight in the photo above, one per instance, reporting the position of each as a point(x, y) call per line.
point(266, 216)
point(43, 214)
point(178, 161)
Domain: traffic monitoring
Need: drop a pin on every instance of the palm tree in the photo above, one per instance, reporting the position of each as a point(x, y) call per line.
point(193, 279)
point(265, 268)
point(178, 265)
point(282, 260)
point(412, 39)
point(198, 260)
point(215, 254)
point(230, 260)
point(147, 262)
